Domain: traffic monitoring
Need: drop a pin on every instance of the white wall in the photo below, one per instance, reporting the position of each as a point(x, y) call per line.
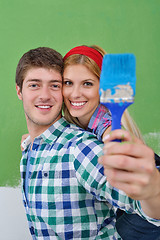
point(13, 222)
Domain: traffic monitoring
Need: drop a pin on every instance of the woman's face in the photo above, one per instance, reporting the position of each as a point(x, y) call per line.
point(80, 92)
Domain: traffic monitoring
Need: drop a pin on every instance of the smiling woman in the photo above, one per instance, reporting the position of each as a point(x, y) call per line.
point(82, 69)
point(81, 106)
point(80, 92)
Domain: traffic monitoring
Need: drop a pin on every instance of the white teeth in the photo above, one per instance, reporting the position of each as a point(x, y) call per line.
point(78, 104)
point(43, 106)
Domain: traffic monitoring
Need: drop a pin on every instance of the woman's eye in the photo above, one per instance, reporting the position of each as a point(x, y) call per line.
point(88, 84)
point(67, 83)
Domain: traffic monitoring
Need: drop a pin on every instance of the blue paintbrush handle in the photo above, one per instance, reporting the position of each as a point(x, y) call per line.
point(117, 110)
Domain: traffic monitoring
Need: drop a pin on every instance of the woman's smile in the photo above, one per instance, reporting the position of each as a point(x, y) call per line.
point(80, 91)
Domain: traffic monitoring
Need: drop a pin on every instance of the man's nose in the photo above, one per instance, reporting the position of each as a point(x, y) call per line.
point(45, 93)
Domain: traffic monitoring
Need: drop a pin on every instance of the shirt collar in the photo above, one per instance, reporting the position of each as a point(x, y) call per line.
point(50, 135)
point(94, 115)
point(54, 131)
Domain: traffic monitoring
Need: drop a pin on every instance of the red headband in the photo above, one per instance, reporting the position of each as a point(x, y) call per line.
point(87, 51)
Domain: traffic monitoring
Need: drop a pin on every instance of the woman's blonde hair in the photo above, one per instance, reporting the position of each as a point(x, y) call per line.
point(127, 121)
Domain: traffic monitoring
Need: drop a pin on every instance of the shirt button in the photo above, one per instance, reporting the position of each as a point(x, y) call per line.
point(45, 174)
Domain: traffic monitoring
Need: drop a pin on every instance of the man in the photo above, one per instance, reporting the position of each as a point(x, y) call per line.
point(66, 195)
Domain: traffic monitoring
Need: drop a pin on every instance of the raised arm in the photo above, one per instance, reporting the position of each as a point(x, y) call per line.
point(130, 166)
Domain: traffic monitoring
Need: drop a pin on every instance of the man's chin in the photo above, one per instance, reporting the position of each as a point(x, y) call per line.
point(42, 122)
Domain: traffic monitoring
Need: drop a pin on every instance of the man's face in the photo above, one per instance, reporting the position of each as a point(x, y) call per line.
point(42, 98)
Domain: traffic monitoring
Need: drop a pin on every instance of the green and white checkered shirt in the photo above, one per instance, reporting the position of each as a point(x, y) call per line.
point(67, 194)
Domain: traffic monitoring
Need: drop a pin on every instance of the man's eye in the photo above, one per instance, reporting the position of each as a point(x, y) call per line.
point(56, 86)
point(33, 85)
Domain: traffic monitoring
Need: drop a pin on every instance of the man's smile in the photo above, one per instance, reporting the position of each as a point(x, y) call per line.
point(43, 106)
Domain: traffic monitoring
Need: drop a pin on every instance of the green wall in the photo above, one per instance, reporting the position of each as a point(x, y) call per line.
point(118, 26)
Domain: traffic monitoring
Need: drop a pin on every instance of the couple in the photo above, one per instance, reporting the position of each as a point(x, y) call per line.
point(65, 189)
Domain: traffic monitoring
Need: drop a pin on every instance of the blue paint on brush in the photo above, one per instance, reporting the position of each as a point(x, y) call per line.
point(117, 84)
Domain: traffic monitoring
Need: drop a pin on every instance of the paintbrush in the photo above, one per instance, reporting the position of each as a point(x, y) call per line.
point(117, 84)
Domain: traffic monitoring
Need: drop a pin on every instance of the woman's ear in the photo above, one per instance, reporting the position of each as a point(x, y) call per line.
point(19, 93)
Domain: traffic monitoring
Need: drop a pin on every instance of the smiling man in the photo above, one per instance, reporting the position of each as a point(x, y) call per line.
point(40, 89)
point(42, 98)
point(65, 192)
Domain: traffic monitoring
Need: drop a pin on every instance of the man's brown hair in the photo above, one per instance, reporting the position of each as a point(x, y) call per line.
point(39, 57)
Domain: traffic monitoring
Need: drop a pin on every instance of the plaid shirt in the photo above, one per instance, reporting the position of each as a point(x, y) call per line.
point(68, 196)
point(100, 121)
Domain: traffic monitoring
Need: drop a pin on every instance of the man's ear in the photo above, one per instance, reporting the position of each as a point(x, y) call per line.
point(19, 94)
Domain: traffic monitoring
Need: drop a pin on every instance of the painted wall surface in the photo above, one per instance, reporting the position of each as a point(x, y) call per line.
point(117, 26)
point(13, 222)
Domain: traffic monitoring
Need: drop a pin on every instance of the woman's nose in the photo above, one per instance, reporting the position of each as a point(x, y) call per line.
point(76, 92)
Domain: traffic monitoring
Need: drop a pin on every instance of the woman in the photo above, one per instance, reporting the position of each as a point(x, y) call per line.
point(82, 68)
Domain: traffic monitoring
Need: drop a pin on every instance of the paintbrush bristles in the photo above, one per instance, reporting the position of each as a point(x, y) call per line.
point(118, 78)
point(118, 68)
